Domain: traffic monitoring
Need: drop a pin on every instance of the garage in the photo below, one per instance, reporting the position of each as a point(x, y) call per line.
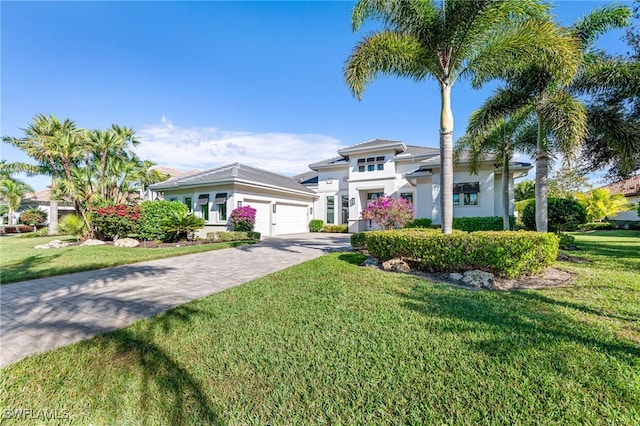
point(291, 219)
point(263, 216)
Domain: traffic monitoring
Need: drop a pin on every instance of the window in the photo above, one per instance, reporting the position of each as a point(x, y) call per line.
point(203, 202)
point(330, 209)
point(187, 201)
point(371, 164)
point(221, 205)
point(469, 192)
point(374, 195)
point(407, 196)
point(345, 209)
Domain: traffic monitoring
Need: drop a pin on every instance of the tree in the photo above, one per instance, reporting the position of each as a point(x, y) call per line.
point(544, 92)
point(12, 191)
point(476, 40)
point(567, 181)
point(389, 213)
point(600, 204)
point(524, 190)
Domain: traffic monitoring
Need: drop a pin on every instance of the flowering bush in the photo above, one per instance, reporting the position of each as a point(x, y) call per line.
point(115, 221)
point(389, 213)
point(243, 218)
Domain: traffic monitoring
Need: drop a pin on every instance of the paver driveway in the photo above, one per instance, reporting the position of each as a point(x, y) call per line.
point(42, 314)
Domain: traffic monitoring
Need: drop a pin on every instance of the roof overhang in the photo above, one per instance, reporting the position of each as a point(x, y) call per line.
point(175, 186)
point(391, 145)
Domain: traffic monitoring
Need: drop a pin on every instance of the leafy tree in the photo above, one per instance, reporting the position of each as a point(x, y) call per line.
point(12, 191)
point(477, 40)
point(524, 190)
point(601, 204)
point(389, 213)
point(567, 181)
point(545, 92)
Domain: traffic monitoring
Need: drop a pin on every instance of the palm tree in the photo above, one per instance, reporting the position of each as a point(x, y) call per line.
point(539, 92)
point(502, 140)
point(476, 40)
point(12, 191)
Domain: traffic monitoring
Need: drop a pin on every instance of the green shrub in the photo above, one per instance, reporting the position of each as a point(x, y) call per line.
point(112, 221)
point(226, 236)
point(564, 214)
point(180, 225)
point(316, 225)
point(421, 222)
point(72, 224)
point(153, 212)
point(566, 240)
point(33, 217)
point(505, 253)
point(338, 229)
point(43, 232)
point(358, 239)
point(598, 226)
point(519, 206)
point(486, 223)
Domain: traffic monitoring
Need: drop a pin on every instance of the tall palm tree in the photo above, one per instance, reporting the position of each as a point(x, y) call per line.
point(449, 40)
point(12, 191)
point(539, 92)
point(503, 139)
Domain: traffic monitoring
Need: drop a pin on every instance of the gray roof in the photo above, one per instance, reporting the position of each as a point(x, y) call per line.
point(232, 172)
point(373, 144)
point(309, 177)
point(333, 161)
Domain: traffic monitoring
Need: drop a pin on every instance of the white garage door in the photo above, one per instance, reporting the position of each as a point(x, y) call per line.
point(263, 216)
point(291, 219)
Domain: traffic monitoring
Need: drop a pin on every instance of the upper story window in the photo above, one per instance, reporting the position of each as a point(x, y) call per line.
point(370, 164)
point(466, 193)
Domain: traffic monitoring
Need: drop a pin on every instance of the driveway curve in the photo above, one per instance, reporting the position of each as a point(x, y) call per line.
point(43, 314)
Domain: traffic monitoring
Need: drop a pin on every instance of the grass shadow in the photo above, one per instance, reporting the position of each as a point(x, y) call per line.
point(353, 258)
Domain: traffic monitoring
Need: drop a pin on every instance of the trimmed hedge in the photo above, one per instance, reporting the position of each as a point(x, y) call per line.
point(598, 226)
point(340, 229)
point(563, 214)
point(486, 223)
point(358, 240)
point(226, 236)
point(505, 253)
point(316, 225)
point(421, 222)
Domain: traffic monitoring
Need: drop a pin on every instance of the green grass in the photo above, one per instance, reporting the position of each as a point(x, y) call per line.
point(20, 261)
point(328, 342)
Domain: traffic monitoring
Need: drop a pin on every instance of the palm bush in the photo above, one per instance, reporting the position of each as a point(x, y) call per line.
point(180, 225)
point(72, 224)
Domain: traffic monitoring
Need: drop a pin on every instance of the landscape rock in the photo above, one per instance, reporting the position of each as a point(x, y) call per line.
point(478, 279)
point(93, 243)
point(454, 276)
point(396, 265)
point(126, 242)
point(371, 262)
point(53, 244)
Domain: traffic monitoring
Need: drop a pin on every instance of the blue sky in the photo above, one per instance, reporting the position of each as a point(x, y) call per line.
point(209, 83)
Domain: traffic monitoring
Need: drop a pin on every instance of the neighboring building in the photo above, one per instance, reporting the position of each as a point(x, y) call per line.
point(346, 184)
point(150, 195)
point(338, 189)
point(283, 205)
point(630, 188)
point(42, 200)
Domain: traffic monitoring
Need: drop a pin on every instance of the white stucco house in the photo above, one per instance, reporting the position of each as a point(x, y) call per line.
point(630, 188)
point(336, 190)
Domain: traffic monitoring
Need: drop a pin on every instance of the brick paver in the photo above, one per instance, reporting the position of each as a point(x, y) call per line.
point(42, 314)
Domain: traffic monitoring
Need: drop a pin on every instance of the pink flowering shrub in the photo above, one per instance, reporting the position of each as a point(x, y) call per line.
point(243, 218)
point(112, 221)
point(389, 213)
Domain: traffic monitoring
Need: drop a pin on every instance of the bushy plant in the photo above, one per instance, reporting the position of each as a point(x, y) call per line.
point(420, 222)
point(33, 217)
point(358, 240)
point(226, 236)
point(566, 240)
point(316, 225)
point(72, 224)
point(243, 218)
point(565, 214)
point(112, 221)
point(43, 232)
point(25, 228)
point(486, 223)
point(598, 226)
point(153, 212)
point(389, 213)
point(339, 229)
point(505, 253)
point(600, 204)
point(180, 225)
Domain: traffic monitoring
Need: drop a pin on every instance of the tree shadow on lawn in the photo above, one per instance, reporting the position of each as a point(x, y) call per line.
point(23, 268)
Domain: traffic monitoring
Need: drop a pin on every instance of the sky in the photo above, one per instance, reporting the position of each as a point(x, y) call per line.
point(208, 83)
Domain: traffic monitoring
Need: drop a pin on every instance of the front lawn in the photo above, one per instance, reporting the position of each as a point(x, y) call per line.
point(20, 261)
point(328, 342)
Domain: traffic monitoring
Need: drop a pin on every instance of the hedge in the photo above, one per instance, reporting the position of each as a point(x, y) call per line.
point(563, 214)
point(341, 229)
point(226, 236)
point(421, 222)
point(486, 223)
point(357, 240)
point(316, 225)
point(508, 254)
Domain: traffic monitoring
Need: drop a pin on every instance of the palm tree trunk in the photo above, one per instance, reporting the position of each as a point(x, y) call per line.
point(506, 225)
point(446, 158)
point(542, 221)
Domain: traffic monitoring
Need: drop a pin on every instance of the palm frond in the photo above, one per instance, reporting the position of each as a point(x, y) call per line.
point(565, 120)
point(599, 21)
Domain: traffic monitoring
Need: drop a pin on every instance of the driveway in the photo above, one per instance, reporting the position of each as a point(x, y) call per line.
point(42, 314)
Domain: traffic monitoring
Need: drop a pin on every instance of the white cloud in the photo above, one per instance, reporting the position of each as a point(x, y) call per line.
point(207, 147)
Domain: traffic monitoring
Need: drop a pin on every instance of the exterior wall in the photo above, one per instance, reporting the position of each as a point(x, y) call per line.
point(629, 215)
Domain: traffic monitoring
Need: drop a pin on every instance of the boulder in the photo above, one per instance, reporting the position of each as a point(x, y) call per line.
point(454, 276)
point(396, 265)
point(478, 279)
point(371, 262)
point(93, 243)
point(126, 242)
point(53, 244)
